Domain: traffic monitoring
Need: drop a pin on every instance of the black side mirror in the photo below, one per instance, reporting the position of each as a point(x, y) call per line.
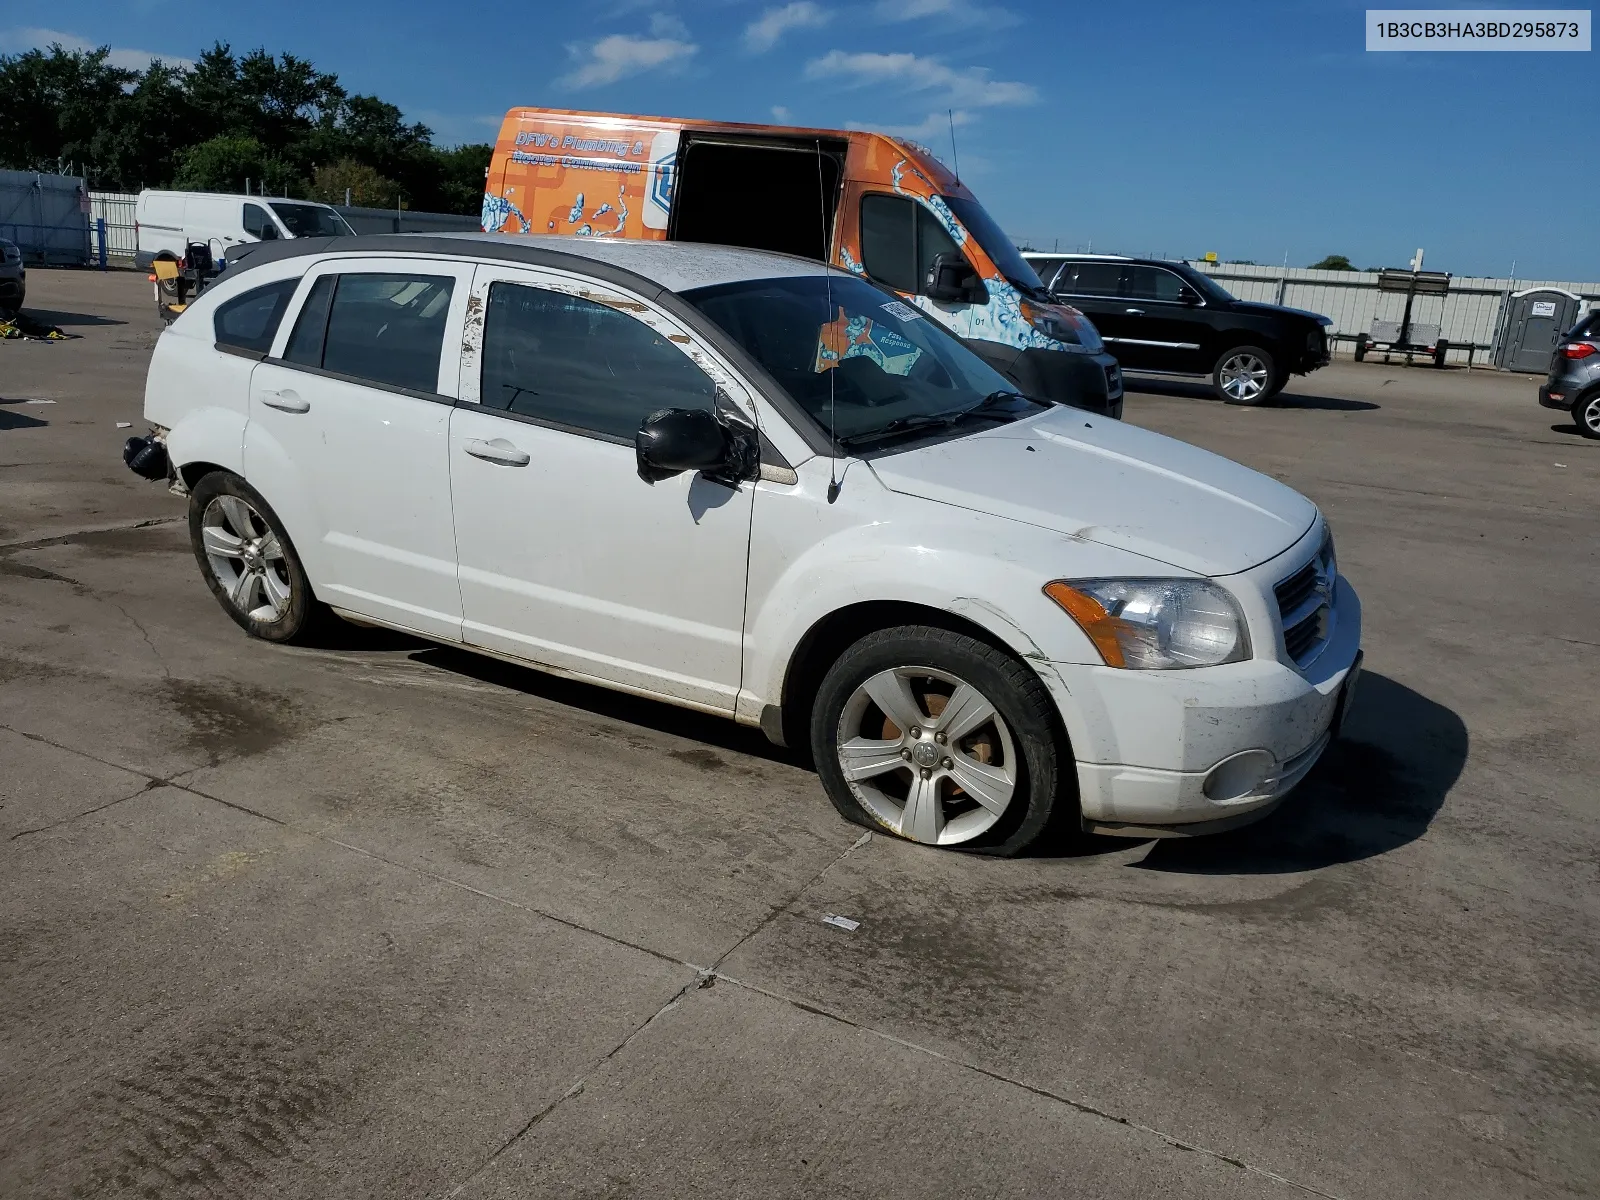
point(951, 280)
point(674, 440)
point(1187, 295)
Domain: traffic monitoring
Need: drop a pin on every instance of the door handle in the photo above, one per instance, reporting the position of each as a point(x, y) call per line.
point(287, 400)
point(1134, 312)
point(498, 451)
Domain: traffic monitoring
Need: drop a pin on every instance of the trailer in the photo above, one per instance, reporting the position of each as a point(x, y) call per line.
point(1406, 336)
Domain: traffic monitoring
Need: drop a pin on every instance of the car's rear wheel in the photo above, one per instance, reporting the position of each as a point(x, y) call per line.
point(248, 561)
point(1586, 414)
point(939, 738)
point(1246, 375)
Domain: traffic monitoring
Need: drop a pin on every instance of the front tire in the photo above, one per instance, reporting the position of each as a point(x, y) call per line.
point(939, 738)
point(1586, 414)
point(248, 561)
point(1246, 375)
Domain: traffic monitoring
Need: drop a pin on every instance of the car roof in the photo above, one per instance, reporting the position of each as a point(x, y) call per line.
point(675, 266)
point(1032, 254)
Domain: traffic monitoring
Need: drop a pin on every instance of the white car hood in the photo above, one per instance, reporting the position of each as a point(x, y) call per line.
point(1094, 478)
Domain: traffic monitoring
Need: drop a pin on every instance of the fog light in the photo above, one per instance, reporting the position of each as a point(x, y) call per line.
point(1239, 777)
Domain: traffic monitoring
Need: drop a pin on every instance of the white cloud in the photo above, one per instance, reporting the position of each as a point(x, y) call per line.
point(763, 33)
point(16, 40)
point(951, 12)
point(935, 127)
point(780, 112)
point(621, 55)
point(970, 86)
point(666, 25)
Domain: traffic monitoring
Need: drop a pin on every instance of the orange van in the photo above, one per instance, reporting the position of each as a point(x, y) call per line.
point(869, 203)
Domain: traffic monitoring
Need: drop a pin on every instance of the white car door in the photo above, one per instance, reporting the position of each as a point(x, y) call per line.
point(348, 436)
point(567, 557)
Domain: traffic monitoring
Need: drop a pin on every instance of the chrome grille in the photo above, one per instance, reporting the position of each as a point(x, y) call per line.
point(1305, 605)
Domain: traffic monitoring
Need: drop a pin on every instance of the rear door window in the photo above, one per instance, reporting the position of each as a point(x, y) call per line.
point(381, 329)
point(1090, 279)
point(250, 321)
point(580, 365)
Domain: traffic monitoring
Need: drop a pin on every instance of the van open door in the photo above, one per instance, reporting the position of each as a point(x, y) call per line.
point(763, 192)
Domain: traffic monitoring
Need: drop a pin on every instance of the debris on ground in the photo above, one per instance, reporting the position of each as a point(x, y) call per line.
point(22, 326)
point(844, 923)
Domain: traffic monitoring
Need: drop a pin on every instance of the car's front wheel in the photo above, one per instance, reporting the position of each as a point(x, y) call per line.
point(248, 561)
point(1586, 414)
point(1246, 375)
point(939, 738)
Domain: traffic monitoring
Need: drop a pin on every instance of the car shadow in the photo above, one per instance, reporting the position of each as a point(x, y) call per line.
point(1376, 789)
point(1186, 389)
point(12, 419)
point(47, 316)
point(604, 702)
point(1569, 431)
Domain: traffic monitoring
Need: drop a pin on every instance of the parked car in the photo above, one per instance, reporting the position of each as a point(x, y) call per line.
point(13, 277)
point(870, 203)
point(166, 222)
point(1574, 380)
point(751, 485)
point(1168, 317)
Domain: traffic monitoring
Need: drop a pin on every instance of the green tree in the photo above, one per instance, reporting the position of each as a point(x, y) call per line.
point(53, 102)
point(1333, 262)
point(362, 183)
point(225, 164)
point(142, 136)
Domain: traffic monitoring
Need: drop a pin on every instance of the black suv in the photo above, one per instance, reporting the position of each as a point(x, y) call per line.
point(1169, 317)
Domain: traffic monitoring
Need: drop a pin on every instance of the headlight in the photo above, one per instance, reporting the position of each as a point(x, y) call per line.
point(1156, 624)
point(1066, 325)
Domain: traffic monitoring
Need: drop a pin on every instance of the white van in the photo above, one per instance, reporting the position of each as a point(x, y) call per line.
point(166, 222)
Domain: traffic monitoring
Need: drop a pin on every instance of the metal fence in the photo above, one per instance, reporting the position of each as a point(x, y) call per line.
point(45, 216)
point(1469, 312)
point(116, 209)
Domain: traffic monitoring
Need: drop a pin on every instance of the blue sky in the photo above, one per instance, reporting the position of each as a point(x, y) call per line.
point(1249, 129)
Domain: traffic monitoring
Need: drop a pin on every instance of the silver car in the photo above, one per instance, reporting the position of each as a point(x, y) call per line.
point(13, 277)
point(1574, 380)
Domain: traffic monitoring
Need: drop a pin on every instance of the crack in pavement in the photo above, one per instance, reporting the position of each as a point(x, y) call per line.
point(148, 785)
point(58, 539)
point(702, 976)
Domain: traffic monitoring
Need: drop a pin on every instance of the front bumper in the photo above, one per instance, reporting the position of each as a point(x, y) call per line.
point(1148, 742)
point(1088, 381)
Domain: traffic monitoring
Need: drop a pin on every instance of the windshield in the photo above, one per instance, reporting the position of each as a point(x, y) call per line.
point(863, 365)
point(311, 220)
point(1001, 250)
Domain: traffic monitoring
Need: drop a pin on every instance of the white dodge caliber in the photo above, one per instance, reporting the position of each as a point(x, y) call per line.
point(751, 485)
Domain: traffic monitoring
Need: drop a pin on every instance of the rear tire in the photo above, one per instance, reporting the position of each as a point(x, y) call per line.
point(1586, 414)
point(249, 563)
point(1246, 375)
point(963, 750)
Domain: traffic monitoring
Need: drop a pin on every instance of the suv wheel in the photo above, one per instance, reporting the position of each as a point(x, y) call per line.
point(939, 738)
point(1586, 414)
point(248, 561)
point(1246, 375)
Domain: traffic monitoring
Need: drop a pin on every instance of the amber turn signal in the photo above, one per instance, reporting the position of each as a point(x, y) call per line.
point(1093, 619)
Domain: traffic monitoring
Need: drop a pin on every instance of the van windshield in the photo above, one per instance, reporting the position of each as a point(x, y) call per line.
point(310, 220)
point(865, 366)
point(1002, 251)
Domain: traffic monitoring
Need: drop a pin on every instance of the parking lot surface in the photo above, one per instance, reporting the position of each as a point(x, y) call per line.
point(379, 918)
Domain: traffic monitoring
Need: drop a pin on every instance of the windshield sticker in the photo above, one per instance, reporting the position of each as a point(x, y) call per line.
point(904, 311)
point(858, 337)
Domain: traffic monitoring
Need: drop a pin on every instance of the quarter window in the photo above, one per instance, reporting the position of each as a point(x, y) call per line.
point(381, 329)
point(1152, 283)
point(582, 365)
point(250, 321)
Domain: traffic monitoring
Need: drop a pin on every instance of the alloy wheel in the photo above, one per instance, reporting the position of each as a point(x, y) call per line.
point(1244, 376)
point(927, 754)
point(247, 558)
point(1590, 417)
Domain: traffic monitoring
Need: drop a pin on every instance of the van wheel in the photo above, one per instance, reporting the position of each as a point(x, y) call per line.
point(249, 563)
point(168, 288)
point(939, 738)
point(1246, 375)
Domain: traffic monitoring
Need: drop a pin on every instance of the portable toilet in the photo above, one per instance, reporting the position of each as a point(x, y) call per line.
point(1531, 325)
